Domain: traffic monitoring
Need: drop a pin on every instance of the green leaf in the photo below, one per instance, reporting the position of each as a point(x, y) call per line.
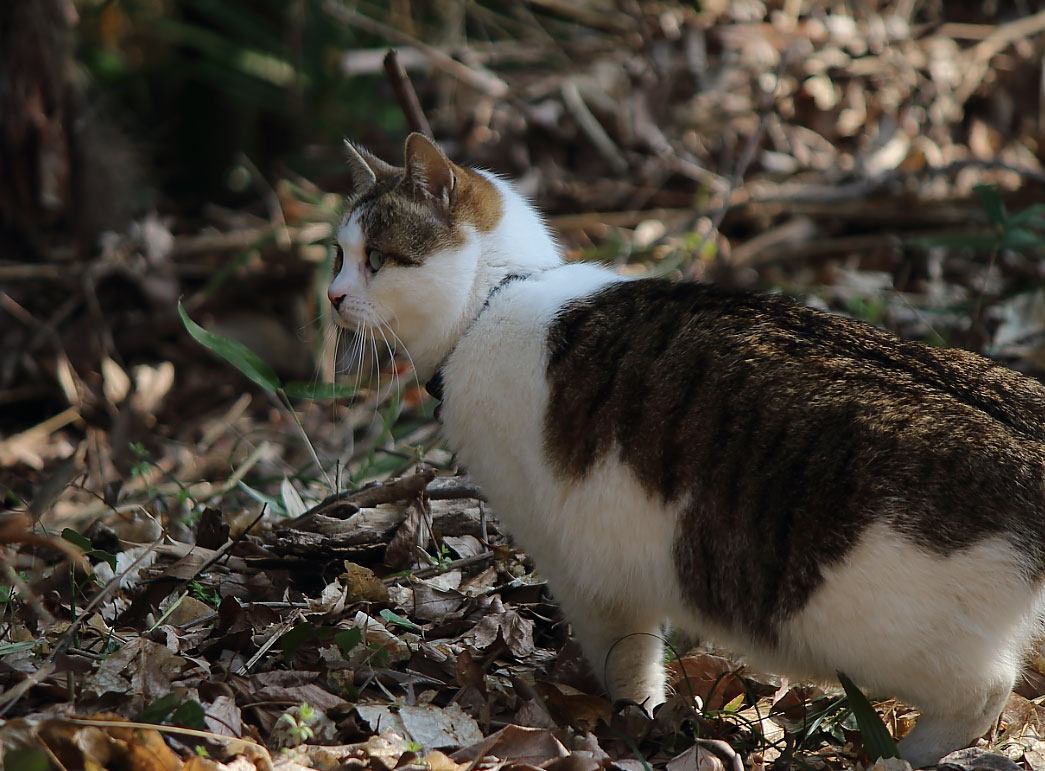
point(160, 709)
point(992, 203)
point(273, 503)
point(316, 391)
point(102, 555)
point(877, 741)
point(189, 714)
point(18, 647)
point(735, 704)
point(236, 354)
point(295, 638)
point(25, 760)
point(347, 639)
point(80, 541)
point(1025, 216)
point(392, 618)
point(1021, 238)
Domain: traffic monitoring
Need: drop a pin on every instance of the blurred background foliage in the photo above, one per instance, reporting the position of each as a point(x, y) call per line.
point(842, 151)
point(203, 83)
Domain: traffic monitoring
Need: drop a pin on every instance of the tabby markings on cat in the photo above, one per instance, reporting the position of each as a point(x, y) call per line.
point(802, 487)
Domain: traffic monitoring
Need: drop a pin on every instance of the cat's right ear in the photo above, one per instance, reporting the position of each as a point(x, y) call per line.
point(429, 175)
point(365, 168)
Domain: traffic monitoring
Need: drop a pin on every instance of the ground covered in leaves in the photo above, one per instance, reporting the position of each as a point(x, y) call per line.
point(200, 573)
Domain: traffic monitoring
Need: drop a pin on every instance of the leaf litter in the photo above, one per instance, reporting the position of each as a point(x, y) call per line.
point(214, 608)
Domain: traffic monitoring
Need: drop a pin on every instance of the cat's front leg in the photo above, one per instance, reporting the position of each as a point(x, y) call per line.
point(624, 647)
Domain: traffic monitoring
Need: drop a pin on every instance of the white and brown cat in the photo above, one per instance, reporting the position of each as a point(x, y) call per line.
point(804, 488)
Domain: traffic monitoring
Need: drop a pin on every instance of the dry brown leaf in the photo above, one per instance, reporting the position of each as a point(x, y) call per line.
point(430, 726)
point(580, 711)
point(363, 584)
point(696, 758)
point(708, 677)
point(469, 672)
point(516, 743)
point(438, 761)
point(516, 631)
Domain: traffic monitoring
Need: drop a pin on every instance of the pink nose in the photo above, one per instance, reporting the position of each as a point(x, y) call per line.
point(335, 297)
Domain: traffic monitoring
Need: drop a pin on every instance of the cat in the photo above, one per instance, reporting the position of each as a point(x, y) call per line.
point(801, 487)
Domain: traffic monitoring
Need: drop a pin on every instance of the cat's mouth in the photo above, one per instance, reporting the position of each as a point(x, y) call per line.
point(353, 314)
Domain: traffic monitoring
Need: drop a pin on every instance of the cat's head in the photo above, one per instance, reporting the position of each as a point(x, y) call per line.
point(410, 249)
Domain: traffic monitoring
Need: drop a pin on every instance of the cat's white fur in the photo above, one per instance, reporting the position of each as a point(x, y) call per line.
point(430, 306)
point(947, 634)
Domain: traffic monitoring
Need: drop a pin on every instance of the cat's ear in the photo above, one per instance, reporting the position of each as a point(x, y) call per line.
point(429, 174)
point(365, 168)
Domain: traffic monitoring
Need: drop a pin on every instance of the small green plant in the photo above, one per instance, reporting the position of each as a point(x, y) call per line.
point(145, 464)
point(397, 620)
point(173, 709)
point(299, 725)
point(203, 594)
point(442, 556)
point(877, 741)
point(1024, 229)
point(85, 545)
point(142, 466)
point(870, 309)
point(255, 369)
point(345, 639)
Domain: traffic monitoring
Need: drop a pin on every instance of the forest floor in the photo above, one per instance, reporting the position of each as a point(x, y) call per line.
point(184, 586)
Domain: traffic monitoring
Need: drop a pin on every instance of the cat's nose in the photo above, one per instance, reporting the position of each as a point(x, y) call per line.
point(335, 297)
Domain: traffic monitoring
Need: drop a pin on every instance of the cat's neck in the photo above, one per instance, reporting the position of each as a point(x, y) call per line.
point(520, 245)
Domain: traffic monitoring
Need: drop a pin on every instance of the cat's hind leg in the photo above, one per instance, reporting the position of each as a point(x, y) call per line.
point(957, 720)
point(624, 647)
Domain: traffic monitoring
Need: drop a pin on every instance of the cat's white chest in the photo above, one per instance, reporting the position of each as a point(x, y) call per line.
point(602, 535)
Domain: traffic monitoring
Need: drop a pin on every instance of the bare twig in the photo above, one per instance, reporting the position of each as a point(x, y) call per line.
point(979, 58)
point(281, 629)
point(405, 94)
point(767, 101)
point(481, 80)
point(435, 570)
point(589, 124)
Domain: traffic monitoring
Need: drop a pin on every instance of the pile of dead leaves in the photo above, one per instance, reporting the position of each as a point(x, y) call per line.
point(387, 627)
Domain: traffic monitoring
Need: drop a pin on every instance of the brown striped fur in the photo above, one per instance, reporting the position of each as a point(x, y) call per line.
point(785, 432)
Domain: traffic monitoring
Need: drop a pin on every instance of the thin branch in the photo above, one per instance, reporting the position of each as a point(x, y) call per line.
point(481, 80)
point(405, 94)
point(767, 102)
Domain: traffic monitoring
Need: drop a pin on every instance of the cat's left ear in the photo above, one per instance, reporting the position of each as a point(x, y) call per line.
point(365, 168)
point(429, 174)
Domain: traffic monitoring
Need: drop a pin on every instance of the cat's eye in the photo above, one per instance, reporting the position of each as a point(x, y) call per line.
point(375, 259)
point(339, 258)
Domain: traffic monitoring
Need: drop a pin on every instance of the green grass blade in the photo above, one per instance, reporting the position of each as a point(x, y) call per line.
point(1021, 238)
point(877, 741)
point(993, 205)
point(317, 391)
point(1031, 216)
point(236, 354)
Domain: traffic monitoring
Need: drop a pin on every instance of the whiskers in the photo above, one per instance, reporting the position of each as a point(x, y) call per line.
point(367, 354)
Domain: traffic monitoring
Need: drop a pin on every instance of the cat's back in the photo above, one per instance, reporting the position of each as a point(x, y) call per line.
point(778, 432)
point(680, 337)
